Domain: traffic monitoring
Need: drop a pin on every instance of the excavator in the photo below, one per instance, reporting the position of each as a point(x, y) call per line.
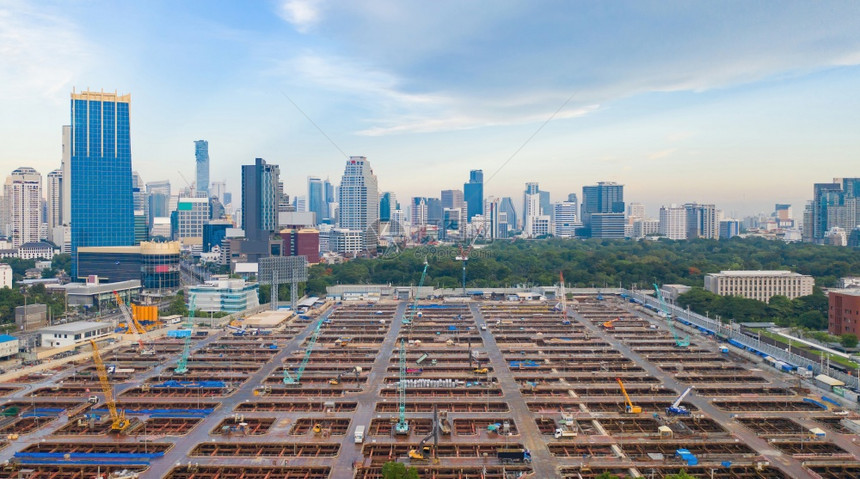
point(119, 423)
point(336, 381)
point(630, 408)
point(422, 452)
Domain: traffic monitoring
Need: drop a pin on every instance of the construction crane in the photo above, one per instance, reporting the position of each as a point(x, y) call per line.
point(414, 304)
point(288, 378)
point(422, 452)
point(676, 409)
point(335, 381)
point(563, 294)
point(133, 326)
point(182, 364)
point(402, 427)
point(680, 342)
point(629, 408)
point(118, 423)
point(610, 324)
point(464, 257)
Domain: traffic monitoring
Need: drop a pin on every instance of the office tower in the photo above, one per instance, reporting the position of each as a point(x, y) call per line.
point(301, 204)
point(473, 194)
point(54, 195)
point(729, 228)
point(65, 166)
point(217, 190)
point(825, 195)
point(261, 197)
point(23, 196)
point(607, 225)
point(228, 198)
point(506, 206)
point(605, 197)
point(330, 200)
point(535, 223)
point(564, 216)
point(545, 205)
point(419, 211)
point(158, 200)
point(102, 209)
point(701, 221)
point(452, 199)
point(216, 209)
point(201, 155)
point(387, 203)
point(316, 199)
point(192, 214)
point(434, 211)
point(673, 222)
point(358, 207)
point(635, 210)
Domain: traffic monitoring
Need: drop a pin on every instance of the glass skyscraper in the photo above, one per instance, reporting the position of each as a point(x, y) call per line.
point(316, 199)
point(102, 211)
point(201, 154)
point(473, 193)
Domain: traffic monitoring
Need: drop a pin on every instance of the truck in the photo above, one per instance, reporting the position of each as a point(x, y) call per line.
point(359, 434)
point(564, 432)
point(514, 455)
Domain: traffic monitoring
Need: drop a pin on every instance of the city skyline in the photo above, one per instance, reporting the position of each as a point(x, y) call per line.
point(737, 106)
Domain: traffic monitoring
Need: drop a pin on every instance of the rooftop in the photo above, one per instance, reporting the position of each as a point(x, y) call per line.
point(76, 327)
point(757, 273)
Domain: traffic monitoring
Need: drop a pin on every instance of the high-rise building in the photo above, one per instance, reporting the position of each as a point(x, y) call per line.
point(316, 199)
point(635, 210)
point(452, 199)
point(701, 221)
point(834, 205)
point(507, 206)
point(729, 228)
point(434, 211)
point(102, 209)
point(532, 209)
point(201, 156)
point(65, 166)
point(54, 196)
point(23, 196)
point(673, 222)
point(387, 204)
point(607, 225)
point(217, 190)
point(358, 207)
point(419, 211)
point(473, 194)
point(605, 197)
point(192, 214)
point(261, 199)
point(564, 217)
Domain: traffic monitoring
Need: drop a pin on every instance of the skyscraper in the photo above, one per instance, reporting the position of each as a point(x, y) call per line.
point(358, 208)
point(387, 204)
point(316, 199)
point(419, 211)
point(261, 197)
point(54, 195)
point(23, 194)
point(102, 211)
point(507, 207)
point(473, 194)
point(673, 222)
point(452, 199)
point(702, 221)
point(605, 197)
point(564, 218)
point(201, 155)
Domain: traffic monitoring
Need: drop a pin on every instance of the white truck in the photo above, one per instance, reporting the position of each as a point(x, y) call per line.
point(359, 434)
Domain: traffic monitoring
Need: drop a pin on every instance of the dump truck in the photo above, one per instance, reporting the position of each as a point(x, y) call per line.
point(514, 455)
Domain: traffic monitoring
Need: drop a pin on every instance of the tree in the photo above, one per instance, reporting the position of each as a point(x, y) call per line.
point(607, 475)
point(848, 340)
point(177, 305)
point(682, 474)
point(397, 470)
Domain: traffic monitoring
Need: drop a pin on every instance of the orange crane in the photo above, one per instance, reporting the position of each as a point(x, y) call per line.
point(609, 324)
point(630, 408)
point(119, 423)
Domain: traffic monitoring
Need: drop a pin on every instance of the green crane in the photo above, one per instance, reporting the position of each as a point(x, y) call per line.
point(402, 427)
point(414, 305)
point(182, 364)
point(681, 343)
point(288, 378)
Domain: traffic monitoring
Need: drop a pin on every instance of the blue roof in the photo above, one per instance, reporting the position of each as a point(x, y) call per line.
point(6, 338)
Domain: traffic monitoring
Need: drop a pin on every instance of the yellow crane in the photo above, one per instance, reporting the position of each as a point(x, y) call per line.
point(134, 327)
point(119, 423)
point(630, 409)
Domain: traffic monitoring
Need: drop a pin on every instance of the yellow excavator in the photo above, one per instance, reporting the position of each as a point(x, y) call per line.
point(119, 423)
point(422, 452)
point(630, 408)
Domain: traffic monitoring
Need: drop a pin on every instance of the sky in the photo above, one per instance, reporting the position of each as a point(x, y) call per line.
point(738, 103)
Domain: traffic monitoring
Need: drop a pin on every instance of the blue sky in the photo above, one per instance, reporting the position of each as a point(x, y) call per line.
point(743, 104)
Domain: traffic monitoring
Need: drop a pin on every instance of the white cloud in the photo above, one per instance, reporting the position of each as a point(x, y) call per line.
point(303, 14)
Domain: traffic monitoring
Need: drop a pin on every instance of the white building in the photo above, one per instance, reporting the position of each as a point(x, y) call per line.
point(73, 334)
point(644, 227)
point(8, 346)
point(160, 227)
point(358, 196)
point(5, 276)
point(673, 222)
point(192, 214)
point(760, 285)
point(228, 295)
point(564, 215)
point(346, 242)
point(635, 210)
point(23, 195)
point(54, 195)
point(538, 226)
point(36, 250)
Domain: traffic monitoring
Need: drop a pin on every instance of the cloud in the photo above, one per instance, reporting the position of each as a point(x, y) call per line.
point(662, 153)
point(303, 14)
point(42, 52)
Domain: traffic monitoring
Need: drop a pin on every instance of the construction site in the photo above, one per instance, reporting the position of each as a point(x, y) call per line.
point(458, 388)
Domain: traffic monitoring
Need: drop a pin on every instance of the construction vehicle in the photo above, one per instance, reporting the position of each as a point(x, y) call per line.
point(610, 324)
point(676, 409)
point(481, 370)
point(568, 428)
point(679, 342)
point(133, 326)
point(359, 435)
point(423, 452)
point(630, 408)
point(335, 381)
point(118, 423)
point(182, 363)
point(288, 378)
point(414, 304)
point(402, 427)
point(514, 455)
point(444, 423)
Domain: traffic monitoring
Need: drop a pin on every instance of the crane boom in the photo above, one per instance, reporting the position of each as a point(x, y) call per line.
point(676, 409)
point(402, 427)
point(682, 396)
point(119, 423)
point(130, 322)
point(182, 364)
point(289, 379)
point(631, 409)
point(680, 342)
point(414, 305)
